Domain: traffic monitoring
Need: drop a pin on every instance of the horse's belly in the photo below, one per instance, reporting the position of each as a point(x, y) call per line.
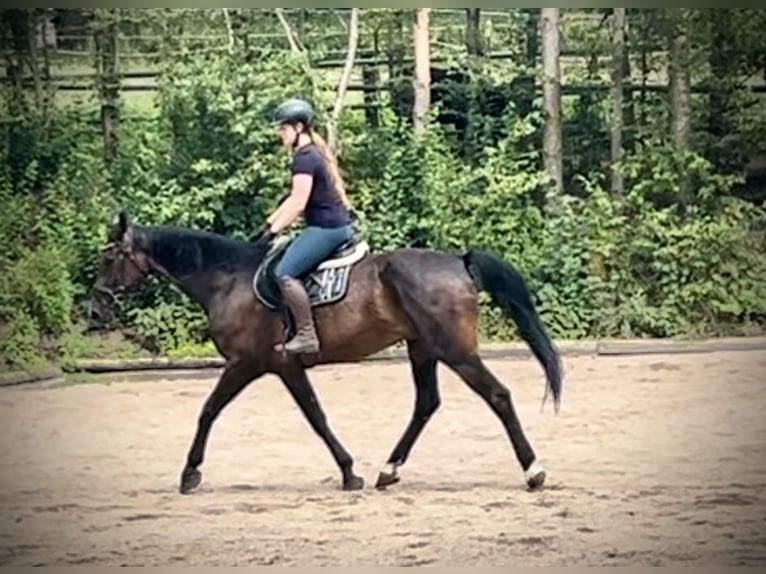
point(367, 321)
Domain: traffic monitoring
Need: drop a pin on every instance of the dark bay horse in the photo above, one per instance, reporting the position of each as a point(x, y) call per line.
point(426, 298)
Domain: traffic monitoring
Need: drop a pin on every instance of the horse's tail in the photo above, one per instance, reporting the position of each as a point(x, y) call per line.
point(508, 289)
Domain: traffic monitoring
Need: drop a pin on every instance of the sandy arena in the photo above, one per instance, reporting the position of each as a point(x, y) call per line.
point(653, 460)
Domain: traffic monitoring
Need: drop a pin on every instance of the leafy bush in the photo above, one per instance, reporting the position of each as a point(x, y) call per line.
point(677, 254)
point(51, 225)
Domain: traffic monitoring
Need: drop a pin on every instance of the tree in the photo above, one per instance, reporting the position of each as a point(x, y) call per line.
point(618, 49)
point(552, 144)
point(473, 41)
point(353, 41)
point(106, 40)
point(680, 93)
point(422, 79)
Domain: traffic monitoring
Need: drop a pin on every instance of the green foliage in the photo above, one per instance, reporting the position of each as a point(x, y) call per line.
point(19, 340)
point(387, 193)
point(677, 254)
point(52, 192)
point(210, 161)
point(169, 325)
point(652, 269)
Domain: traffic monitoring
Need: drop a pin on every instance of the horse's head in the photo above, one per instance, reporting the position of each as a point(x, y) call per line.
point(123, 264)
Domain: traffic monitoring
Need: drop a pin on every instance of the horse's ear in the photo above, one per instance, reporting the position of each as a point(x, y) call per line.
point(122, 229)
point(122, 221)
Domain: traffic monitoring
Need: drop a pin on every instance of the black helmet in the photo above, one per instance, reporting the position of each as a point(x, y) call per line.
point(294, 110)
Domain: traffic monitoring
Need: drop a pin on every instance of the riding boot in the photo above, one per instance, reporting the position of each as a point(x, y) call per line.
point(305, 340)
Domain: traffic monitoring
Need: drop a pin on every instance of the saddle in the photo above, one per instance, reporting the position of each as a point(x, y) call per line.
point(325, 284)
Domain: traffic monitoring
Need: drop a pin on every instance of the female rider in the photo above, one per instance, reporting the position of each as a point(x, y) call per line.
point(318, 193)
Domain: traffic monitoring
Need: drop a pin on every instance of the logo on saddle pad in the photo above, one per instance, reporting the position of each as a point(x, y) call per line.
point(326, 283)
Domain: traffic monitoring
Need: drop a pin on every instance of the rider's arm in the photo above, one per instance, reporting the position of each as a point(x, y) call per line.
point(295, 203)
point(266, 226)
point(280, 208)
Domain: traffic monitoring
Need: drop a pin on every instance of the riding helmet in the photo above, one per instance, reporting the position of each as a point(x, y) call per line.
point(294, 110)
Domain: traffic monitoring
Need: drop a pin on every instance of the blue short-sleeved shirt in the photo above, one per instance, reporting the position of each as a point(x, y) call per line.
point(324, 207)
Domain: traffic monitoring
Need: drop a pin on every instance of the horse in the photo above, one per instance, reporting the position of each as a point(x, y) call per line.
point(363, 302)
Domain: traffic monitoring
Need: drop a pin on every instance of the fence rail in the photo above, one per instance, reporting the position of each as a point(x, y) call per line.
point(87, 82)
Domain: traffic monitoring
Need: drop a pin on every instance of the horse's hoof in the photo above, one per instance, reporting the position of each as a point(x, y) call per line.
point(354, 483)
point(190, 479)
point(386, 479)
point(535, 476)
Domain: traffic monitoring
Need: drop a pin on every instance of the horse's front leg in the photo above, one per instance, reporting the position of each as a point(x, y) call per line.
point(235, 377)
point(295, 379)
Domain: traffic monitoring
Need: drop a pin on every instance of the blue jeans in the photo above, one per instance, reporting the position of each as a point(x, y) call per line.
point(310, 248)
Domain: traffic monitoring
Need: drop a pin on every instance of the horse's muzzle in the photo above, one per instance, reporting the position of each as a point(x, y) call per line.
point(102, 304)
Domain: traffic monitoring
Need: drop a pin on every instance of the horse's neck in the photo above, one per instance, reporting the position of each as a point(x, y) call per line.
point(202, 285)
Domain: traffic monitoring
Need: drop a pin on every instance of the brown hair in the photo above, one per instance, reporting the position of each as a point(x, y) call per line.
point(331, 165)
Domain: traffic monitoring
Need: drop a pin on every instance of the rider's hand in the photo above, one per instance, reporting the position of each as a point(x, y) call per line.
point(264, 234)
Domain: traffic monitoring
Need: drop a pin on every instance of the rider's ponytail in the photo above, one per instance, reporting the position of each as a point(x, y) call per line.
point(331, 165)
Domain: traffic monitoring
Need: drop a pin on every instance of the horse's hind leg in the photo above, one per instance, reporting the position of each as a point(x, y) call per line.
point(426, 402)
point(473, 371)
point(445, 320)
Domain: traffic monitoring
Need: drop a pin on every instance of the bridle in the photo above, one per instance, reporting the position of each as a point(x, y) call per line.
point(140, 265)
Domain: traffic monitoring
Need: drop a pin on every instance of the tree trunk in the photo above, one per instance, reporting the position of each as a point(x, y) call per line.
point(721, 90)
point(552, 145)
point(399, 81)
point(422, 79)
point(644, 64)
point(531, 36)
point(629, 105)
point(680, 96)
point(34, 23)
point(50, 90)
point(353, 41)
point(618, 49)
point(473, 41)
point(526, 80)
point(15, 30)
point(371, 77)
point(109, 84)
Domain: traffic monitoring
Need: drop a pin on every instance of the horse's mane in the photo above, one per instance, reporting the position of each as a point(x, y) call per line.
point(182, 251)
